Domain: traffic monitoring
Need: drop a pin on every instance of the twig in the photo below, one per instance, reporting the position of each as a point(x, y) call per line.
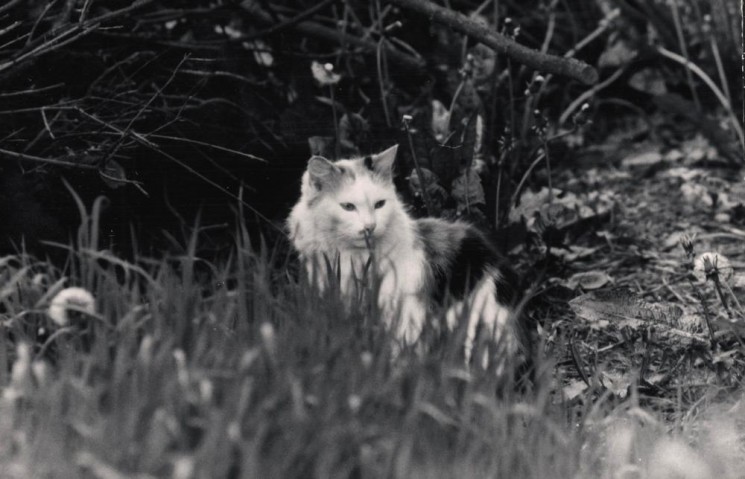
point(569, 67)
point(38, 22)
point(209, 145)
point(516, 194)
point(9, 28)
point(9, 5)
point(68, 36)
point(47, 126)
point(84, 11)
point(37, 159)
point(220, 73)
point(31, 91)
point(589, 93)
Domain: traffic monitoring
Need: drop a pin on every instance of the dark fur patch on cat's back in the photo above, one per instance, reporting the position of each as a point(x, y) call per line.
point(459, 256)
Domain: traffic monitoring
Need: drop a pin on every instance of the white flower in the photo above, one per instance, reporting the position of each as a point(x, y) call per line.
point(324, 74)
point(72, 299)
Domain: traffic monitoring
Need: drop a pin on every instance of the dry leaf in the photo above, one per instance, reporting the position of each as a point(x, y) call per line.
point(588, 280)
point(113, 174)
point(623, 308)
point(649, 80)
point(644, 159)
point(467, 190)
point(573, 389)
point(616, 55)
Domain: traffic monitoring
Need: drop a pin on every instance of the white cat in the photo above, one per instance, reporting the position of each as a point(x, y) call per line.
point(349, 210)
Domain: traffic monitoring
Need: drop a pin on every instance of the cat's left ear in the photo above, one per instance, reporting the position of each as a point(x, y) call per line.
point(382, 163)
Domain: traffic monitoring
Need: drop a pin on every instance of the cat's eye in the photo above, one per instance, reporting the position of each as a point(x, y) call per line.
point(379, 204)
point(348, 206)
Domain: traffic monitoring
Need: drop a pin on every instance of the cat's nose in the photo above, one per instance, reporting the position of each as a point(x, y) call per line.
point(369, 228)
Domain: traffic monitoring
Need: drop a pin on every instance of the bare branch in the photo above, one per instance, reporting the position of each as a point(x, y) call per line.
point(37, 159)
point(539, 61)
point(9, 5)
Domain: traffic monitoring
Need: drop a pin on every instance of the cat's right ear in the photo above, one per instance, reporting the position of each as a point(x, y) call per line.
point(323, 173)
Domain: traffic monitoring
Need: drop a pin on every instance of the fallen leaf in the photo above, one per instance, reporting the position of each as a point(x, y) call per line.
point(647, 158)
point(113, 174)
point(573, 389)
point(626, 309)
point(616, 382)
point(649, 80)
point(573, 253)
point(617, 54)
point(588, 280)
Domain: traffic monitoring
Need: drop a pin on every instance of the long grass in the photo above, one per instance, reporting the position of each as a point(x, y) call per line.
point(237, 370)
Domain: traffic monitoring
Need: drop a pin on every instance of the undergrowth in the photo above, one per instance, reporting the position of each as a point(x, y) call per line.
point(181, 368)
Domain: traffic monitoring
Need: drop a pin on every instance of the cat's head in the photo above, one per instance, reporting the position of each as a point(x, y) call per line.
point(352, 198)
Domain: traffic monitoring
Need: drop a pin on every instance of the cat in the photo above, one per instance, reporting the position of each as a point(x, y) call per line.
point(349, 211)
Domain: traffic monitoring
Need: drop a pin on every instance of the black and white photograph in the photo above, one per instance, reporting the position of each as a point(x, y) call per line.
point(382, 239)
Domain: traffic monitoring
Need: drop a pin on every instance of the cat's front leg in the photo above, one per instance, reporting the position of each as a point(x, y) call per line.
point(317, 271)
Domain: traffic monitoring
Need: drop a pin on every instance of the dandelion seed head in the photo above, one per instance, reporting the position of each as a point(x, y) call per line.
point(267, 332)
point(354, 402)
point(708, 264)
point(234, 431)
point(183, 468)
point(367, 359)
point(70, 299)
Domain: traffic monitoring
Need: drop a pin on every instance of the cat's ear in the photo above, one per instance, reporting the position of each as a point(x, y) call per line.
point(323, 173)
point(382, 163)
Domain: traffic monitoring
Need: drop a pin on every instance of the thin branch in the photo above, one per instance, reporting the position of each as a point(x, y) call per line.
point(70, 35)
point(208, 145)
point(9, 28)
point(225, 74)
point(589, 94)
point(569, 67)
point(51, 161)
point(31, 91)
point(9, 5)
